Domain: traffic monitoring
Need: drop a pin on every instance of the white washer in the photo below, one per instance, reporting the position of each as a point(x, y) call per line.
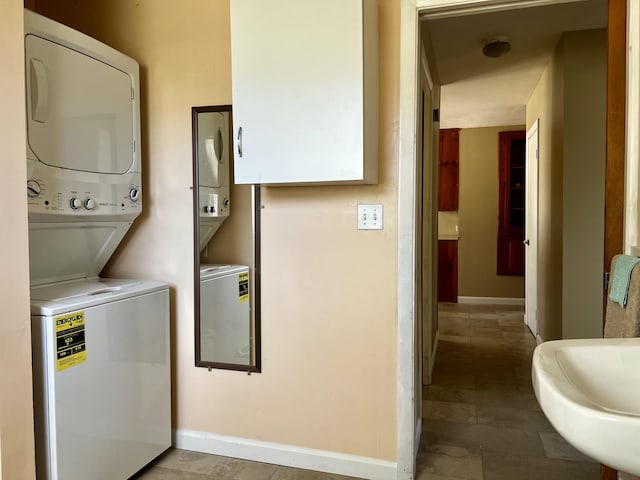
point(101, 377)
point(225, 324)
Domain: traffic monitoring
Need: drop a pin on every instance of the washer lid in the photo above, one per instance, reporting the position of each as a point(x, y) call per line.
point(207, 272)
point(62, 297)
point(80, 110)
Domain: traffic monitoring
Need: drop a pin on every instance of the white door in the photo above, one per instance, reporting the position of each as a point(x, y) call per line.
point(531, 232)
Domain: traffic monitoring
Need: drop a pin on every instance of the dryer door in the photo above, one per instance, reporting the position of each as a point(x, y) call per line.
point(80, 114)
point(214, 143)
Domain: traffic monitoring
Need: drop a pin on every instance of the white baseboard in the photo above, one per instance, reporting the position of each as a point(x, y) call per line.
point(288, 455)
point(492, 300)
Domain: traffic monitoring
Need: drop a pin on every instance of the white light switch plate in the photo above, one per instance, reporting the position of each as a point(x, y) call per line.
point(370, 217)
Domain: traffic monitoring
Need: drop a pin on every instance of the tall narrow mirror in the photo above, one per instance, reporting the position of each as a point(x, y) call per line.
point(226, 331)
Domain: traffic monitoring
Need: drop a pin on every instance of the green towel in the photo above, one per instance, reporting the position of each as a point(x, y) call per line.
point(621, 278)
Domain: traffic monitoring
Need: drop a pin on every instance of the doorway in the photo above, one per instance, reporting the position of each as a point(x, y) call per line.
point(407, 13)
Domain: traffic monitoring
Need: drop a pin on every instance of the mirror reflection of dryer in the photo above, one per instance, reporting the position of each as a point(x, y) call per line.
point(213, 162)
point(101, 358)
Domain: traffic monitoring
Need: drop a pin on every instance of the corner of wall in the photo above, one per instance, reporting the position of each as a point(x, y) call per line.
point(542, 105)
point(17, 459)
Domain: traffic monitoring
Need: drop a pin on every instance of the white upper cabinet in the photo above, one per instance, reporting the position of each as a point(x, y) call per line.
point(305, 91)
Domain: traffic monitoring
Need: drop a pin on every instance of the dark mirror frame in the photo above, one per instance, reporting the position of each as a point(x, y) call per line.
point(256, 365)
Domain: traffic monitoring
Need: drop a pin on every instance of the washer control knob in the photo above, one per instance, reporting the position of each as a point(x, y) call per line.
point(206, 209)
point(134, 194)
point(74, 203)
point(33, 188)
point(226, 203)
point(89, 204)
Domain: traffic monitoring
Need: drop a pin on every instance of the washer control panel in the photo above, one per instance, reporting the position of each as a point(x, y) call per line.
point(214, 202)
point(76, 197)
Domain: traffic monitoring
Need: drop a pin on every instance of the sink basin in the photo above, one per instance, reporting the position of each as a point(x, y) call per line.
point(590, 392)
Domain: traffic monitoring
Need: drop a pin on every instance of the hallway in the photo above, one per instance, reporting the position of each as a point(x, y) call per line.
point(481, 420)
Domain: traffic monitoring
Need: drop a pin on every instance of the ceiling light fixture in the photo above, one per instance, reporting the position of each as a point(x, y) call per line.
point(496, 47)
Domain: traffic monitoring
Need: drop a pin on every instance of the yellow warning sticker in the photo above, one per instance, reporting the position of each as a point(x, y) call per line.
point(243, 287)
point(70, 340)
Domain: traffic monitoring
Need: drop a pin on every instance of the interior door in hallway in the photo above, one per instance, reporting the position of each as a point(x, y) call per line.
point(531, 231)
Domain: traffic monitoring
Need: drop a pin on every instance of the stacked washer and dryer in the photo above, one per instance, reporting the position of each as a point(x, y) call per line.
point(101, 359)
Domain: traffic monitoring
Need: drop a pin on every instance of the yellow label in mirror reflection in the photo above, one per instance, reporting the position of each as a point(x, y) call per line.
point(243, 287)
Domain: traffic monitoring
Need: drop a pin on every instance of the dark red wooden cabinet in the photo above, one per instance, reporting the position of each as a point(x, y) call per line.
point(448, 169)
point(448, 271)
point(511, 202)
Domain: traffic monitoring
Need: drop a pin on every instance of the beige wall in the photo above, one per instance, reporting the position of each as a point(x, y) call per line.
point(329, 291)
point(584, 153)
point(16, 405)
point(545, 104)
point(478, 219)
point(569, 101)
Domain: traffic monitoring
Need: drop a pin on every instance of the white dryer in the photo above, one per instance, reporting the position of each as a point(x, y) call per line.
point(101, 357)
point(213, 161)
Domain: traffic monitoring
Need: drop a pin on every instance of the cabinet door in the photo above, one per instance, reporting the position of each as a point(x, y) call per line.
point(448, 271)
point(449, 170)
point(304, 91)
point(510, 255)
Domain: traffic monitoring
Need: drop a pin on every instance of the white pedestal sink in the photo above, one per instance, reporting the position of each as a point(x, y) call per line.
point(590, 392)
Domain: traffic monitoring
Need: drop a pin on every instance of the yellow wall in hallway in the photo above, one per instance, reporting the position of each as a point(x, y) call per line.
point(569, 100)
point(545, 104)
point(16, 404)
point(584, 157)
point(478, 221)
point(329, 291)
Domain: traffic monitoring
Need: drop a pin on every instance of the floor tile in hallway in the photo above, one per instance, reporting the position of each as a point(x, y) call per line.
point(481, 420)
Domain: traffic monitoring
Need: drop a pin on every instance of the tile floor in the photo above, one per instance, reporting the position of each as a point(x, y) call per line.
point(185, 465)
point(481, 418)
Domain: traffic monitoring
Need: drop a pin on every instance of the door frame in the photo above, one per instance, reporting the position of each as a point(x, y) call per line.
point(632, 142)
point(410, 10)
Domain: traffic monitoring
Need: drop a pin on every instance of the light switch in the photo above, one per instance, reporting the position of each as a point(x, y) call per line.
point(370, 217)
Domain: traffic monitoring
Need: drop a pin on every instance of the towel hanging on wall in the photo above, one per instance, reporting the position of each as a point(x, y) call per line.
point(619, 290)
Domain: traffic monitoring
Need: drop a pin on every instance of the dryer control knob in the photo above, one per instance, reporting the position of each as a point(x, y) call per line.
point(134, 194)
point(226, 202)
point(33, 188)
point(74, 203)
point(89, 204)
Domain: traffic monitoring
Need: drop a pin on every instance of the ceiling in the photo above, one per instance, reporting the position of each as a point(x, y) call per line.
point(479, 91)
